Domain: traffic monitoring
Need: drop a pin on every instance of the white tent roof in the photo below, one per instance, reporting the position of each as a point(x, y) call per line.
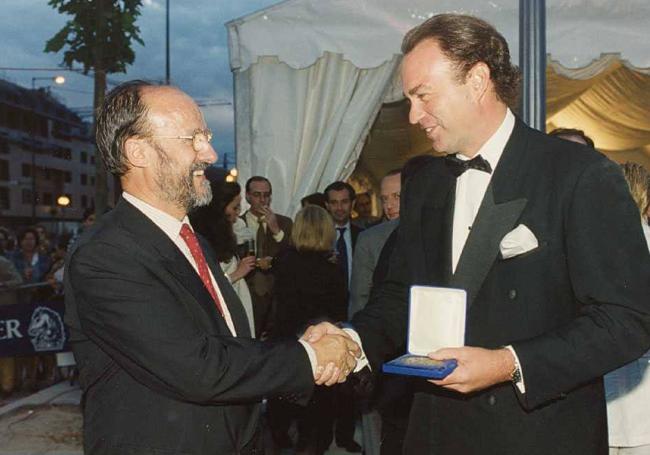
point(369, 32)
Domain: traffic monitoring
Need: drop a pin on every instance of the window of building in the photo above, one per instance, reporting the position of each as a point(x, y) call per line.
point(4, 146)
point(84, 157)
point(92, 180)
point(26, 170)
point(92, 159)
point(4, 170)
point(27, 196)
point(47, 199)
point(84, 179)
point(84, 201)
point(67, 177)
point(47, 173)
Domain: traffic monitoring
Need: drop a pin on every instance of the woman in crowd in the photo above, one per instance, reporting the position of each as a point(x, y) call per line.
point(309, 288)
point(215, 223)
point(628, 388)
point(30, 263)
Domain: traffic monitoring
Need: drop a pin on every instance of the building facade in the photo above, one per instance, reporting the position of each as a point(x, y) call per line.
point(46, 152)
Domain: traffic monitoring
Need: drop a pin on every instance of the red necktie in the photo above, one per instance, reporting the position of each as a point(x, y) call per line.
point(193, 244)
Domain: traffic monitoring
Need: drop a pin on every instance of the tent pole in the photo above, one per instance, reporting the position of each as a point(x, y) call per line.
point(532, 61)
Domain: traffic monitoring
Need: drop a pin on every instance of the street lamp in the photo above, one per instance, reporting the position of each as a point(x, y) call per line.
point(63, 201)
point(58, 80)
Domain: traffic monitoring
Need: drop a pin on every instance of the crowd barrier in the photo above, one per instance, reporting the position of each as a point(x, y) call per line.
point(29, 323)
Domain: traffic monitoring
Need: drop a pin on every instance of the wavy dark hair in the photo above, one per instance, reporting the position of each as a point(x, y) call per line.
point(210, 221)
point(466, 41)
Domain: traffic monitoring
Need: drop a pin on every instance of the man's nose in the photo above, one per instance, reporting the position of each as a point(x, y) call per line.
point(415, 114)
point(209, 155)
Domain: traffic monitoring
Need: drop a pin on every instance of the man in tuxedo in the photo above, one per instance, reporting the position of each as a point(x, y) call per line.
point(542, 235)
point(166, 361)
point(272, 233)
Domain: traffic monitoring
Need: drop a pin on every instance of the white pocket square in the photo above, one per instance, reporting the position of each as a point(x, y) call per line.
point(518, 241)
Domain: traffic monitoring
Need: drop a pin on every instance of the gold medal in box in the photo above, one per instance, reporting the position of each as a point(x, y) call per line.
point(436, 320)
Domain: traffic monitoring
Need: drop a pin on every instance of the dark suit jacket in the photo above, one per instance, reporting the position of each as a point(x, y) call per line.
point(308, 289)
point(573, 309)
point(159, 369)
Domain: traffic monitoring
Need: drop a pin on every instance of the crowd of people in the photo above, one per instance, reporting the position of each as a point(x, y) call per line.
point(200, 329)
point(31, 270)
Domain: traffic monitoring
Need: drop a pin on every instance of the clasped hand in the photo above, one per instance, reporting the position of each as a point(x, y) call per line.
point(336, 353)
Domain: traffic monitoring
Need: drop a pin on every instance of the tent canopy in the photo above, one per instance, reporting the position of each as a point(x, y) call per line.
point(317, 94)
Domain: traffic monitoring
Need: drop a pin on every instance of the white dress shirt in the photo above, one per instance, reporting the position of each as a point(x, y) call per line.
point(471, 186)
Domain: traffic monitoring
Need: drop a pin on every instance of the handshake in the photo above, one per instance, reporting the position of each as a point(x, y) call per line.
point(336, 353)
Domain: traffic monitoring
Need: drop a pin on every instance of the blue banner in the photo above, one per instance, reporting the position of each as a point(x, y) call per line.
point(35, 328)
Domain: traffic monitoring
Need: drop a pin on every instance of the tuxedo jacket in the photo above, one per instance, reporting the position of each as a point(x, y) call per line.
point(574, 308)
point(160, 371)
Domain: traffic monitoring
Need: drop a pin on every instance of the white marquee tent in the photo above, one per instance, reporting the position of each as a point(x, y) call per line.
point(318, 96)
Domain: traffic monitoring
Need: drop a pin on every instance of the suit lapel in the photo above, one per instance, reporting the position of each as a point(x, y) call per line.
point(499, 211)
point(152, 238)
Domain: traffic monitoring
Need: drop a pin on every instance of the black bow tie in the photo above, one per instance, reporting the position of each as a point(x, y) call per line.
point(458, 166)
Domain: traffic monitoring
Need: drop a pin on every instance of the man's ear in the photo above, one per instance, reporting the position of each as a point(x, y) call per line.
point(479, 79)
point(137, 152)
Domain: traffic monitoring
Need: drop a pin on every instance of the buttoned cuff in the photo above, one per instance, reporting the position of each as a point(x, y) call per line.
point(279, 236)
point(312, 356)
point(520, 384)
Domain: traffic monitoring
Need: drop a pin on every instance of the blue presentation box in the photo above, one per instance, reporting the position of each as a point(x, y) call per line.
point(436, 320)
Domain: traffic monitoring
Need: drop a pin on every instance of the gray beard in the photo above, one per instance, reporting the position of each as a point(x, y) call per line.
point(179, 189)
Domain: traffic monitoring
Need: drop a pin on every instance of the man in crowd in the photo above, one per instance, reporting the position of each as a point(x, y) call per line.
point(272, 233)
point(363, 207)
point(339, 200)
point(371, 241)
point(163, 346)
point(369, 245)
point(542, 235)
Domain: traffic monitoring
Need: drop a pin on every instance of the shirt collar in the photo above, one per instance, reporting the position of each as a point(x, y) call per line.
point(492, 149)
point(169, 225)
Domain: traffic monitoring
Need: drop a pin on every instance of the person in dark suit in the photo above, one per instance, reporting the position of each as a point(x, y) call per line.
point(340, 197)
point(309, 289)
point(166, 362)
point(542, 235)
point(272, 234)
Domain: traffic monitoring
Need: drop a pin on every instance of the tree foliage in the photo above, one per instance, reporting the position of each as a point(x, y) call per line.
point(109, 25)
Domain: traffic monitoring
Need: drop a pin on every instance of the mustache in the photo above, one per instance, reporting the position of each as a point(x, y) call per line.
point(198, 167)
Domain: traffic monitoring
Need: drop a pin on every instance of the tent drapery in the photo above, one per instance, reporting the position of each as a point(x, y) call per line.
point(608, 99)
point(305, 128)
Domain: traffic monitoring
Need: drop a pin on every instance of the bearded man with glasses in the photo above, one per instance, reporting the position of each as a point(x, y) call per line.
point(166, 359)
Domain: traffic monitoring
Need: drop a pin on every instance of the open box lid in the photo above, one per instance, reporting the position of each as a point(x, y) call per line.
point(436, 319)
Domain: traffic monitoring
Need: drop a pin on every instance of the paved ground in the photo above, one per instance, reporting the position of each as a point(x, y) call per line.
point(49, 423)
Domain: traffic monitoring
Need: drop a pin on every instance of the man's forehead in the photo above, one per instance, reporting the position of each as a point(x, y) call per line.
point(169, 105)
point(390, 183)
point(260, 186)
point(339, 194)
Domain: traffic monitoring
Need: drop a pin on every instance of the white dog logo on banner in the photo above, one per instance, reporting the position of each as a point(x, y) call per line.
point(46, 330)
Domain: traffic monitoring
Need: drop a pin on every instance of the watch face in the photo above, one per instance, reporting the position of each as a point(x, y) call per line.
point(515, 377)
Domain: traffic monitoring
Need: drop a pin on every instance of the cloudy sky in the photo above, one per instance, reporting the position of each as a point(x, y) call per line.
point(199, 52)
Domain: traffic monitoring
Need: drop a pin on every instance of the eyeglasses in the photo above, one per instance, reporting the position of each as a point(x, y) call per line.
point(200, 139)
